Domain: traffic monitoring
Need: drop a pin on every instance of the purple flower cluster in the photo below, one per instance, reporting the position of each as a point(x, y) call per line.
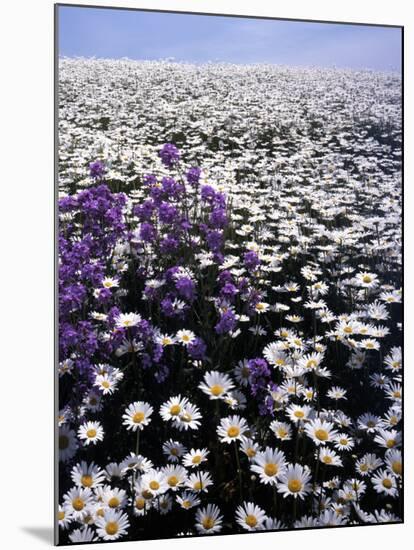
point(97, 170)
point(260, 382)
point(169, 155)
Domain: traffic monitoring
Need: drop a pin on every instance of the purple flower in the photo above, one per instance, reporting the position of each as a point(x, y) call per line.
point(218, 218)
point(169, 245)
point(169, 155)
point(150, 179)
point(214, 240)
point(197, 349)
point(147, 232)
point(186, 288)
point(97, 170)
point(228, 291)
point(251, 260)
point(227, 323)
point(167, 213)
point(193, 175)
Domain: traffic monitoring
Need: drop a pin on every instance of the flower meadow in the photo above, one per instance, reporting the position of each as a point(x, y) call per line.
point(230, 317)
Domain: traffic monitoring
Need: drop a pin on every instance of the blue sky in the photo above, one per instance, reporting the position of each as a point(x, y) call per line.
point(110, 33)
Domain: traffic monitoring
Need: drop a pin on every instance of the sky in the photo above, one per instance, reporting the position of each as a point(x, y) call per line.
point(111, 33)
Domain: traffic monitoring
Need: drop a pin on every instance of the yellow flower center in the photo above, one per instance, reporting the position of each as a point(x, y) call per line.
point(196, 459)
point(271, 469)
point(397, 394)
point(251, 520)
point(138, 417)
point(208, 522)
point(147, 494)
point(186, 338)
point(63, 442)
point(113, 502)
point(281, 432)
point(174, 451)
point(78, 504)
point(61, 515)
point(175, 409)
point(327, 459)
point(280, 362)
point(233, 431)
point(391, 443)
point(387, 483)
point(364, 467)
point(348, 329)
point(186, 504)
point(106, 384)
point(172, 481)
point(299, 414)
point(154, 485)
point(198, 485)
point(321, 434)
point(86, 480)
point(343, 441)
point(139, 503)
point(91, 433)
point(397, 467)
point(294, 485)
point(216, 390)
point(250, 452)
point(111, 528)
point(311, 364)
point(366, 279)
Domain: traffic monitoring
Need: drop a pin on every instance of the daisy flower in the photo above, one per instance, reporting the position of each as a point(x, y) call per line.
point(173, 450)
point(250, 517)
point(175, 476)
point(294, 481)
point(388, 438)
point(77, 500)
point(113, 525)
point(343, 442)
point(172, 408)
point(320, 431)
point(384, 482)
point(185, 337)
point(298, 413)
point(188, 418)
point(208, 519)
point(64, 517)
point(216, 384)
point(366, 280)
point(195, 457)
point(249, 447)
point(199, 482)
point(187, 500)
point(269, 464)
point(85, 534)
point(127, 320)
point(242, 373)
point(232, 429)
point(154, 482)
point(329, 457)
point(67, 443)
point(137, 415)
point(87, 475)
point(91, 432)
point(282, 430)
point(135, 463)
point(106, 383)
point(393, 460)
